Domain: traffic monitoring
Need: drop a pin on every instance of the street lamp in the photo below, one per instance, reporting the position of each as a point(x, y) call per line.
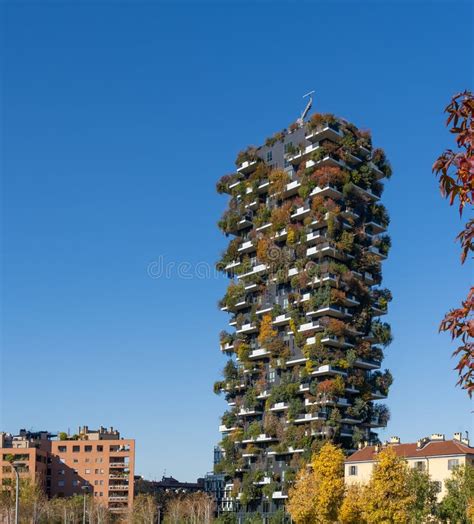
point(16, 465)
point(85, 490)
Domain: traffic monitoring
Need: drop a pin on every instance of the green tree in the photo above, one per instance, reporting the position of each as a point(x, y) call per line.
point(458, 503)
point(425, 491)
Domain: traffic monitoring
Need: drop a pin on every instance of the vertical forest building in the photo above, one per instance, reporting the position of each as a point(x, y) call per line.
point(307, 238)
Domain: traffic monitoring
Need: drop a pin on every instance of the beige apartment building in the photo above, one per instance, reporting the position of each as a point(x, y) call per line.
point(99, 461)
point(433, 454)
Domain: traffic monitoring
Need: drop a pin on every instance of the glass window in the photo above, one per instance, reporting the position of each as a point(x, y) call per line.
point(419, 465)
point(87, 471)
point(100, 448)
point(453, 463)
point(76, 449)
point(61, 483)
point(269, 156)
point(353, 470)
point(88, 449)
point(62, 449)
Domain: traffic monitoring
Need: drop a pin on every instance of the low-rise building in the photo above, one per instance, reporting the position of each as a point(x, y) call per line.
point(99, 460)
point(435, 455)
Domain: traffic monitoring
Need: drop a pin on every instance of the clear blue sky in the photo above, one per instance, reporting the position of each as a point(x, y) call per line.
point(117, 121)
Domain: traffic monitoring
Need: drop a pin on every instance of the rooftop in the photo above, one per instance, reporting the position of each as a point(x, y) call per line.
point(426, 447)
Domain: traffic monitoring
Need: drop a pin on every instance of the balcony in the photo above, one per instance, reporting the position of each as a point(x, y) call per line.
point(326, 161)
point(302, 155)
point(118, 498)
point(296, 361)
point(246, 247)
point(224, 429)
point(292, 188)
point(325, 249)
point(232, 265)
point(378, 173)
point(248, 412)
point(376, 251)
point(367, 363)
point(351, 300)
point(227, 347)
point(375, 227)
point(245, 222)
point(259, 353)
point(367, 192)
point(327, 132)
point(324, 279)
point(378, 310)
point(118, 465)
point(247, 167)
point(328, 370)
point(316, 237)
point(281, 235)
point(329, 191)
point(310, 417)
point(338, 342)
point(378, 395)
point(265, 226)
point(332, 311)
point(281, 320)
point(375, 422)
point(260, 268)
point(301, 212)
point(311, 326)
point(247, 328)
point(279, 406)
point(119, 487)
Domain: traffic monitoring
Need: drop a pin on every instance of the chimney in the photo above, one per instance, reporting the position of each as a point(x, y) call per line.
point(394, 440)
point(465, 441)
point(420, 443)
point(437, 437)
point(458, 437)
point(359, 446)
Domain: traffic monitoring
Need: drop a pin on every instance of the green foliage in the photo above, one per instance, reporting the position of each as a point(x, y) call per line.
point(458, 503)
point(425, 491)
point(62, 435)
point(226, 518)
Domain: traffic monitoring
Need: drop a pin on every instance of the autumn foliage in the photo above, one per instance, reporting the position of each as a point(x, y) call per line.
point(456, 179)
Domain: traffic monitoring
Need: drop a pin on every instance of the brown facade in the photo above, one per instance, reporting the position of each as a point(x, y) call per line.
point(100, 460)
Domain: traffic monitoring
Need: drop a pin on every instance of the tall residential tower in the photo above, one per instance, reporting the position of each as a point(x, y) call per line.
point(307, 241)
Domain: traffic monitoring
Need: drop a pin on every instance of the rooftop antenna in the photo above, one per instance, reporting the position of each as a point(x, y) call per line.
point(300, 120)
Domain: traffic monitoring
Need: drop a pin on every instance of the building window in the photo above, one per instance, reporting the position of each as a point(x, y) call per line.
point(87, 460)
point(419, 465)
point(62, 472)
point(61, 483)
point(100, 448)
point(438, 485)
point(75, 461)
point(62, 449)
point(96, 471)
point(453, 463)
point(96, 482)
point(353, 471)
point(288, 145)
point(87, 449)
point(269, 156)
point(75, 483)
point(76, 449)
point(87, 471)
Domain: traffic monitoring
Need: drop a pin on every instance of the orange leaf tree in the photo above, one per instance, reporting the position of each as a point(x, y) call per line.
point(455, 170)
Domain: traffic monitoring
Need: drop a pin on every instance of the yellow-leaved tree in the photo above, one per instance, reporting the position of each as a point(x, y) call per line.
point(319, 490)
point(387, 497)
point(352, 506)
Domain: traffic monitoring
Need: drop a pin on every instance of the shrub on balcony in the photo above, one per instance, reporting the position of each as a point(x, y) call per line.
point(320, 120)
point(262, 216)
point(280, 216)
point(336, 327)
point(247, 155)
point(382, 332)
point(250, 400)
point(254, 430)
point(230, 371)
point(229, 418)
point(346, 242)
point(235, 294)
point(278, 180)
point(295, 407)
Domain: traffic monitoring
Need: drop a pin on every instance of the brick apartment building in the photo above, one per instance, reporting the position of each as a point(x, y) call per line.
point(99, 459)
